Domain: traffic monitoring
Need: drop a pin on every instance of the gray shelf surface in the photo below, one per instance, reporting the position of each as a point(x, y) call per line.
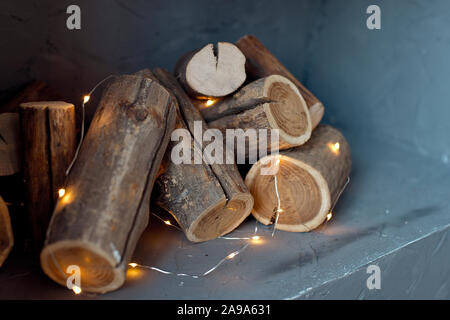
point(395, 213)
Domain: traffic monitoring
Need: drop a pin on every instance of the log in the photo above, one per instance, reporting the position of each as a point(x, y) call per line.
point(310, 180)
point(49, 141)
point(10, 144)
point(272, 102)
point(210, 71)
point(260, 63)
point(207, 200)
point(6, 234)
point(98, 222)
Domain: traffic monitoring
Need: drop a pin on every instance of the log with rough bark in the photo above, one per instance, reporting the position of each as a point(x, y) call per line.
point(310, 179)
point(212, 71)
point(10, 144)
point(98, 222)
point(207, 200)
point(260, 62)
point(48, 130)
point(273, 102)
point(6, 235)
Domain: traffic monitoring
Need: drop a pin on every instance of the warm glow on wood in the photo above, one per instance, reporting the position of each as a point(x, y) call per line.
point(334, 147)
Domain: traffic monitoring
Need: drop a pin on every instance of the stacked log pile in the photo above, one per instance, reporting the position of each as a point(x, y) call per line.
point(125, 164)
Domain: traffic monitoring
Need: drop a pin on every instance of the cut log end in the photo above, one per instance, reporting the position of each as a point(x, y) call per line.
point(221, 219)
point(287, 110)
point(310, 179)
point(6, 235)
point(212, 73)
point(304, 195)
point(98, 272)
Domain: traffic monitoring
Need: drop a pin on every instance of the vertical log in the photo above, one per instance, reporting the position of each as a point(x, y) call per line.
point(260, 63)
point(98, 222)
point(48, 129)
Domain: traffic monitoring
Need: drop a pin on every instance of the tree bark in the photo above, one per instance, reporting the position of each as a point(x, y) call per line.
point(98, 222)
point(207, 200)
point(6, 234)
point(260, 63)
point(206, 73)
point(269, 103)
point(310, 179)
point(48, 130)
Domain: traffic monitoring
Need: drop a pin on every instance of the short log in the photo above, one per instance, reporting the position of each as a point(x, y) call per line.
point(310, 180)
point(273, 102)
point(211, 71)
point(207, 200)
point(260, 63)
point(49, 141)
point(98, 222)
point(6, 234)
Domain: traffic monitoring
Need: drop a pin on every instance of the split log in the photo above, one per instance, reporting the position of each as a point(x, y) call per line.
point(272, 102)
point(49, 140)
point(6, 235)
point(260, 63)
point(207, 199)
point(98, 222)
point(310, 180)
point(10, 144)
point(210, 71)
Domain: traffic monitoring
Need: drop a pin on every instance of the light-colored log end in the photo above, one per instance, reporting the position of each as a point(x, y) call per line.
point(221, 219)
point(98, 272)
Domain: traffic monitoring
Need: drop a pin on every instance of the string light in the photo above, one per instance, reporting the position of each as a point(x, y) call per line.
point(76, 289)
point(210, 102)
point(86, 98)
point(61, 192)
point(133, 265)
point(329, 216)
point(334, 147)
point(167, 222)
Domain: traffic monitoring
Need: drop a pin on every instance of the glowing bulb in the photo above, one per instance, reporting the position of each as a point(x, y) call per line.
point(133, 265)
point(76, 289)
point(209, 103)
point(277, 162)
point(256, 237)
point(167, 222)
point(61, 192)
point(329, 215)
point(334, 147)
point(86, 98)
point(232, 255)
point(279, 210)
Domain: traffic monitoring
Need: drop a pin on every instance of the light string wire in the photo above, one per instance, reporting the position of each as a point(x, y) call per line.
point(86, 99)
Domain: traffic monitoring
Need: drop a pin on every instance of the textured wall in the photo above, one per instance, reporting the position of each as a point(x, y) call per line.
point(392, 83)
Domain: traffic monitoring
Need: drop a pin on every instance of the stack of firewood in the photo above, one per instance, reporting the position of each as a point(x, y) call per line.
point(124, 165)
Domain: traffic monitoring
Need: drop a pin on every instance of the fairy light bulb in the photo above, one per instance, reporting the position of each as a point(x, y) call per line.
point(232, 255)
point(86, 98)
point(334, 147)
point(329, 216)
point(133, 265)
point(256, 238)
point(76, 289)
point(61, 192)
point(209, 103)
point(167, 222)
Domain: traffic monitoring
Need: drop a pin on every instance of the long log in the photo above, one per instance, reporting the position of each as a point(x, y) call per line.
point(210, 71)
point(98, 222)
point(208, 200)
point(48, 130)
point(273, 102)
point(310, 179)
point(6, 234)
point(260, 63)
